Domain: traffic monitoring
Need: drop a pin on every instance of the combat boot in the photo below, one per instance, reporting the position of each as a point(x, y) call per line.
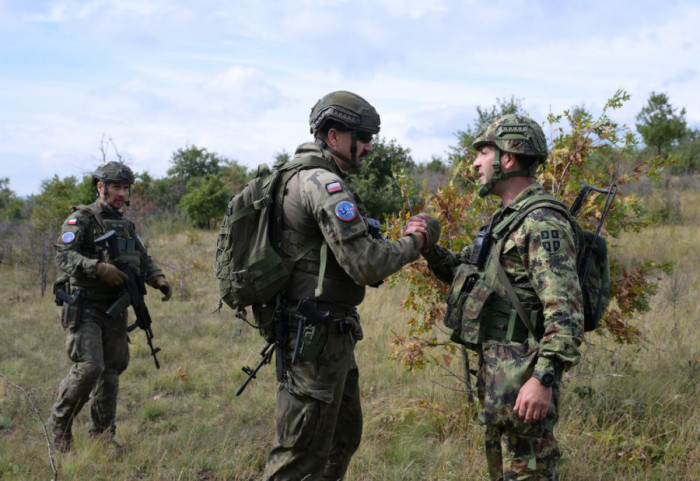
point(107, 437)
point(61, 436)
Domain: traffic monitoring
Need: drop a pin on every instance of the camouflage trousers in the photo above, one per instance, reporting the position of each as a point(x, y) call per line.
point(318, 415)
point(514, 450)
point(98, 347)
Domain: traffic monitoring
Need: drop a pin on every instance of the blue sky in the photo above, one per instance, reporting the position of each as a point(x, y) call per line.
point(239, 77)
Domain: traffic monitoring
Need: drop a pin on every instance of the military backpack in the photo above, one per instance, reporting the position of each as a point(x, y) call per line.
point(248, 264)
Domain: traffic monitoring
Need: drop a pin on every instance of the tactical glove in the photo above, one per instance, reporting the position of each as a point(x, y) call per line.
point(432, 231)
point(164, 286)
point(111, 274)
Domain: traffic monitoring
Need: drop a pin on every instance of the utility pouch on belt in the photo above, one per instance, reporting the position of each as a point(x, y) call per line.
point(313, 340)
point(70, 319)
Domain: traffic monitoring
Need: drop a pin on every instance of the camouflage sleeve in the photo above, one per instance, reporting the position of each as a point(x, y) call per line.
point(546, 244)
point(70, 247)
point(365, 259)
point(148, 267)
point(443, 262)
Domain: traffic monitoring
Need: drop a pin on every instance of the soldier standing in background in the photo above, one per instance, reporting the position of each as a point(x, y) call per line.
point(519, 370)
point(97, 342)
point(318, 410)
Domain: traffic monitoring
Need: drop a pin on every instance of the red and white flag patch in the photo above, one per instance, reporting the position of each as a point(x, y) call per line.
point(72, 221)
point(334, 187)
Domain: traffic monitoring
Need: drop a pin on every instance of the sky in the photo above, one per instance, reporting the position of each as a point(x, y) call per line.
point(83, 80)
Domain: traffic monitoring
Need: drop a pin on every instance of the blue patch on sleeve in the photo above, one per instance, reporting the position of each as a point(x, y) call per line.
point(68, 237)
point(345, 211)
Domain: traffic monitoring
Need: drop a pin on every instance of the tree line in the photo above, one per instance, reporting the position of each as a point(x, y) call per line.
point(199, 183)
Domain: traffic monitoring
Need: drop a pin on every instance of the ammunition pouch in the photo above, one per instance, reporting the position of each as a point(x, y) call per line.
point(71, 316)
point(313, 340)
point(313, 337)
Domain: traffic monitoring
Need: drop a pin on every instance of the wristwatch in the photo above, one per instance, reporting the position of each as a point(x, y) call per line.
point(545, 378)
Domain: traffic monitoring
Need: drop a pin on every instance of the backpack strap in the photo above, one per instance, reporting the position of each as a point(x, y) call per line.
point(287, 171)
point(501, 232)
point(503, 277)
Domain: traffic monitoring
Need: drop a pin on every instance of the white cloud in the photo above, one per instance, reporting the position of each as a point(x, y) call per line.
point(239, 78)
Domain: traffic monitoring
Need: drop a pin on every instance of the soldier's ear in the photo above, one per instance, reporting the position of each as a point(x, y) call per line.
point(509, 162)
point(100, 188)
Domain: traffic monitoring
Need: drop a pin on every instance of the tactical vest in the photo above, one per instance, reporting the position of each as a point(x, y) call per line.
point(477, 305)
point(126, 241)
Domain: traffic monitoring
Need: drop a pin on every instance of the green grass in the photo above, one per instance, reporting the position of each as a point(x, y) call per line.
point(629, 412)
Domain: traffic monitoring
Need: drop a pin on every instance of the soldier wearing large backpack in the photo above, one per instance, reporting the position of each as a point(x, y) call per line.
point(97, 342)
point(515, 298)
point(318, 411)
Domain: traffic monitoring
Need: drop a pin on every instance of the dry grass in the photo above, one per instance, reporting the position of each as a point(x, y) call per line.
point(630, 412)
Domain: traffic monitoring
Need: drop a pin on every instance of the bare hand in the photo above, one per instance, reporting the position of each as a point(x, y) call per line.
point(533, 401)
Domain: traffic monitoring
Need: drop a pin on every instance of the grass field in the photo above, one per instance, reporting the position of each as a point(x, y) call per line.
point(629, 412)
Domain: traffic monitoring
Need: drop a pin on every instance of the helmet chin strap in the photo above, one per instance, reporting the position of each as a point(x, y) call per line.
point(353, 150)
point(485, 189)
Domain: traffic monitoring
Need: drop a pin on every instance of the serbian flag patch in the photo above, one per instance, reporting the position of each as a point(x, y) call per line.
point(334, 187)
point(68, 237)
point(72, 221)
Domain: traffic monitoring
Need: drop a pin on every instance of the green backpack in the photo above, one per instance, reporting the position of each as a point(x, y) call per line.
point(248, 266)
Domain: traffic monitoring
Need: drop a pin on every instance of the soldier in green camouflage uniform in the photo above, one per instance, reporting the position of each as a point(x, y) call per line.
point(318, 411)
point(519, 371)
point(97, 342)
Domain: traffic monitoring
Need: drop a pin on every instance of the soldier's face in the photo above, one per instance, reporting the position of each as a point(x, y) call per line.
point(484, 162)
point(115, 194)
point(343, 141)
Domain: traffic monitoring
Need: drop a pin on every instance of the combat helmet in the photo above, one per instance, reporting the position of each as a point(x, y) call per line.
point(351, 111)
point(113, 171)
point(517, 134)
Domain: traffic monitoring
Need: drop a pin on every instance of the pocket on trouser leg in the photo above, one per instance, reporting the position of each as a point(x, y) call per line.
point(297, 420)
point(504, 370)
point(531, 457)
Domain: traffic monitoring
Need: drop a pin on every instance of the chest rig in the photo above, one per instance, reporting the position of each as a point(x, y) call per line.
point(127, 243)
point(478, 309)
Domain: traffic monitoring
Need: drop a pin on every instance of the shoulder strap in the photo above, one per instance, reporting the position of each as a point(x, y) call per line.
point(287, 171)
point(508, 225)
point(503, 277)
point(512, 220)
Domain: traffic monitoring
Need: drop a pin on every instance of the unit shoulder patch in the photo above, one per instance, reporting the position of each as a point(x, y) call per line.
point(67, 237)
point(346, 211)
point(550, 240)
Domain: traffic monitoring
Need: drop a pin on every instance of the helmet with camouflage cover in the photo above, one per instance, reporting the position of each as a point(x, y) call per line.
point(113, 171)
point(346, 108)
point(516, 134)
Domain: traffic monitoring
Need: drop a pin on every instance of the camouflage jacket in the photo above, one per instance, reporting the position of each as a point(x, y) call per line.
point(543, 274)
point(77, 255)
point(318, 204)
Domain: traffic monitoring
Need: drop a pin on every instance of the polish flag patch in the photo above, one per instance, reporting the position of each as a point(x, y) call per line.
point(72, 221)
point(334, 187)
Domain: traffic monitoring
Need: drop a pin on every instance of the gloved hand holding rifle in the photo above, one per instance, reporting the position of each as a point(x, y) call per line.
point(133, 291)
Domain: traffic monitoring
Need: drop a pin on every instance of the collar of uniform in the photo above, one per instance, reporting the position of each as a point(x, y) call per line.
point(312, 148)
point(529, 191)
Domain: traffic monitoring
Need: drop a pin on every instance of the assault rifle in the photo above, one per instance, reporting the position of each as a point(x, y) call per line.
point(134, 290)
point(309, 312)
point(266, 353)
point(578, 202)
